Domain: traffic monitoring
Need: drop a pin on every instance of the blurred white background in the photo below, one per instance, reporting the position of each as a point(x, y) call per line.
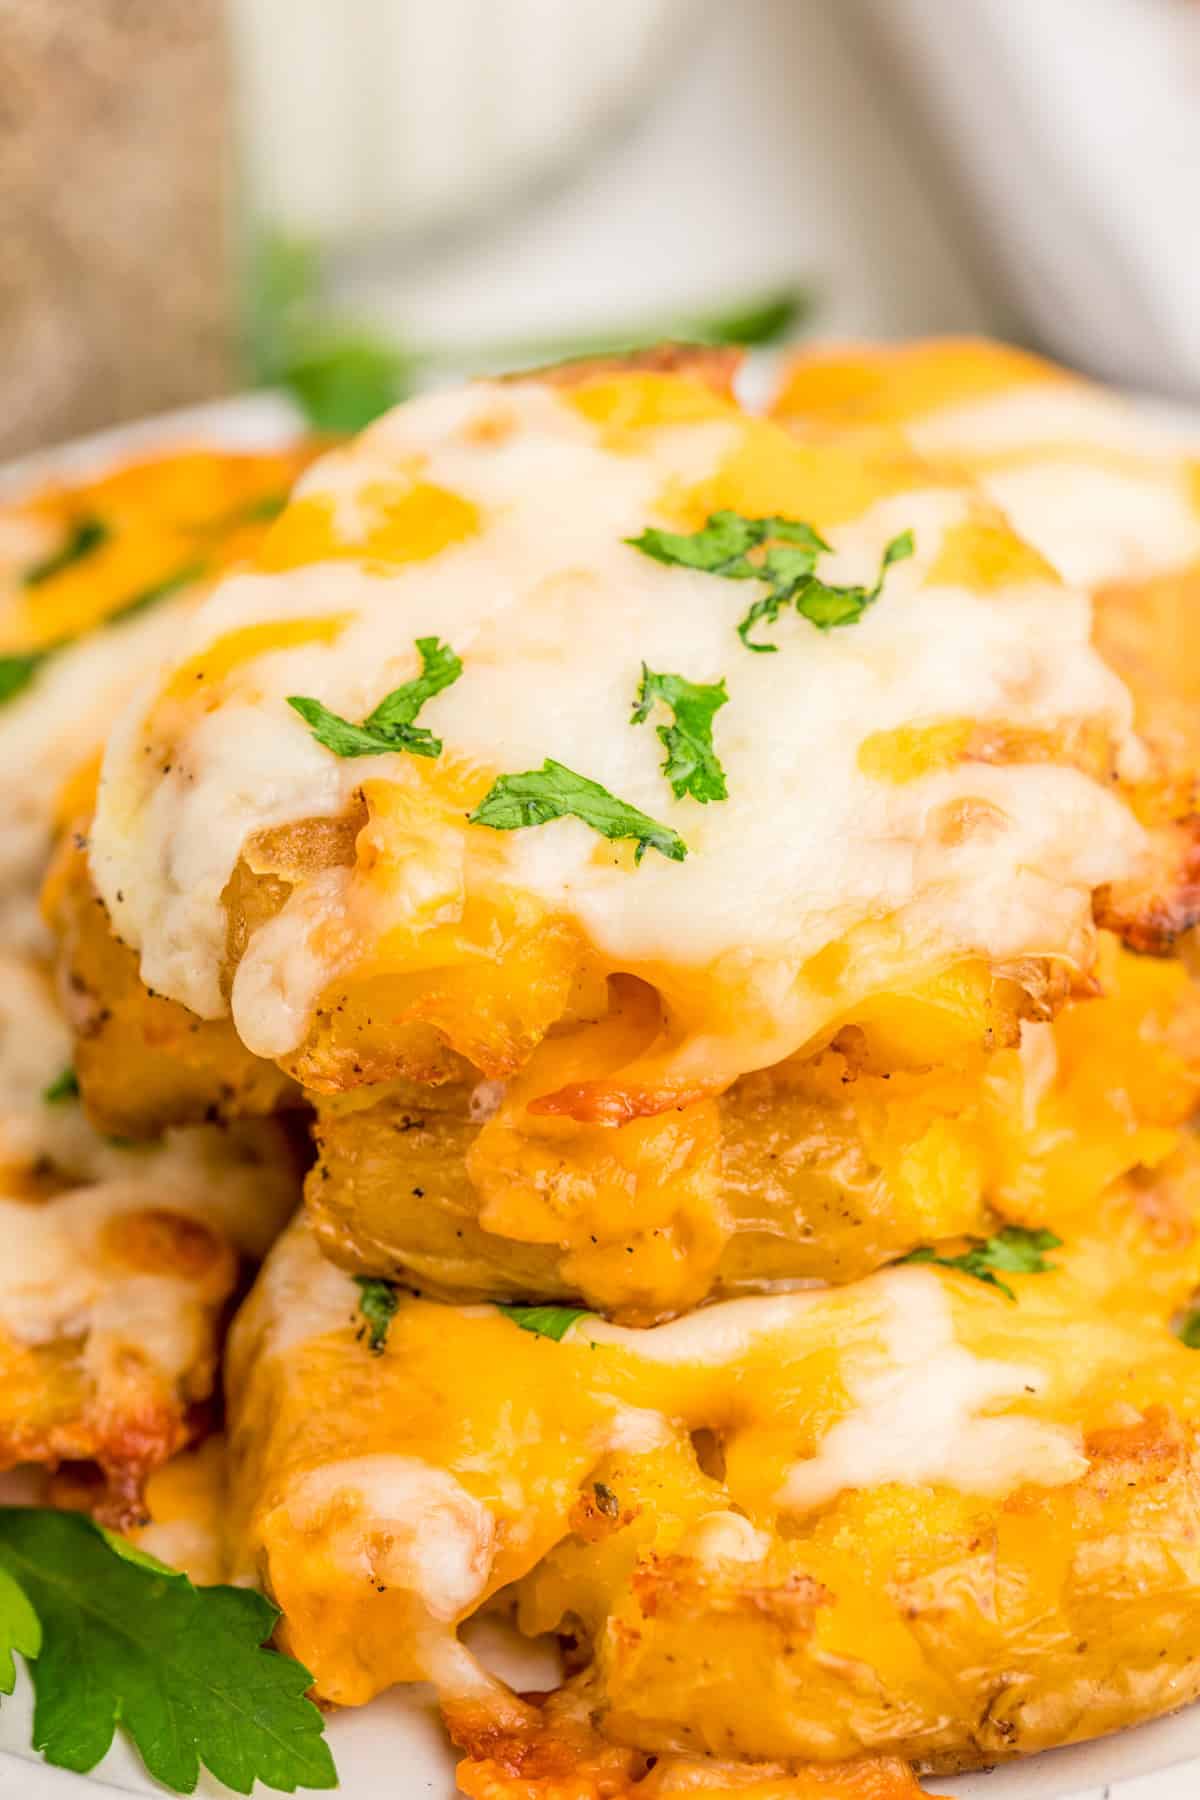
point(348, 196)
point(1021, 166)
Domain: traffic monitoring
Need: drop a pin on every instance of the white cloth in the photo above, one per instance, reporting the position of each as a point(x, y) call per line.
point(1073, 127)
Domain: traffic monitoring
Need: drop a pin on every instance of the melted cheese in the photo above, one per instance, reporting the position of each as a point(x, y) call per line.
point(240, 1182)
point(553, 614)
point(61, 1280)
point(402, 1523)
point(921, 1413)
point(1104, 491)
point(196, 511)
point(827, 1441)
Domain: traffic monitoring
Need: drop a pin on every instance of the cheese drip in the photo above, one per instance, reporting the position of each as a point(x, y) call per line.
point(553, 614)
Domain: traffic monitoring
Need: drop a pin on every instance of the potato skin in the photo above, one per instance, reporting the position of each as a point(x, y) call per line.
point(143, 1062)
point(983, 1632)
point(945, 1622)
point(822, 1169)
point(772, 1180)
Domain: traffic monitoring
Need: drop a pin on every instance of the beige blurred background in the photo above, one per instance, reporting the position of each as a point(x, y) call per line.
point(352, 196)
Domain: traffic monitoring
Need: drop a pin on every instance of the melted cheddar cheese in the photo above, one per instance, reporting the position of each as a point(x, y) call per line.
point(150, 537)
point(1104, 492)
point(819, 1168)
point(119, 1263)
point(497, 519)
point(888, 1518)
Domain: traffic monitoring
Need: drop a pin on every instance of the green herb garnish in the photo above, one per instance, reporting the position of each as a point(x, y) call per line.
point(377, 1303)
point(691, 766)
point(546, 1321)
point(18, 670)
point(343, 372)
point(781, 552)
point(555, 792)
point(1188, 1329)
point(1015, 1251)
point(86, 534)
point(64, 1087)
point(160, 590)
point(113, 1637)
point(390, 726)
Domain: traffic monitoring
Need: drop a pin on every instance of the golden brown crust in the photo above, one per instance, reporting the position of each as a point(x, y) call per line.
point(143, 1062)
point(106, 1405)
point(714, 365)
point(1152, 912)
point(542, 1750)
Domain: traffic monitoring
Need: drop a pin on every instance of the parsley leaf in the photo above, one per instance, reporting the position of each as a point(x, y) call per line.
point(65, 1086)
point(691, 766)
point(390, 726)
point(343, 378)
point(119, 1639)
point(555, 792)
point(1014, 1250)
point(161, 590)
point(377, 1303)
point(723, 545)
point(86, 534)
point(20, 1630)
point(1188, 1329)
point(788, 561)
point(18, 670)
point(547, 1321)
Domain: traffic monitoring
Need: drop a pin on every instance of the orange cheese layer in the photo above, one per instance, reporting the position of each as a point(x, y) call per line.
point(498, 520)
point(906, 1131)
point(1102, 490)
point(753, 1517)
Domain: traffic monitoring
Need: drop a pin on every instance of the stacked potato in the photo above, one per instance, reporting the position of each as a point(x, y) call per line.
point(122, 1258)
point(722, 896)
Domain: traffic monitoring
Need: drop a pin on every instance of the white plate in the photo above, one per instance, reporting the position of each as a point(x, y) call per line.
point(395, 1748)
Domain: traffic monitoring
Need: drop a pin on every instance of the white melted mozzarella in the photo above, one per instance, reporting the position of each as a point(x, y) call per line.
point(553, 614)
point(401, 1522)
point(923, 1406)
point(921, 1413)
point(238, 1180)
point(49, 731)
point(60, 1282)
point(1094, 523)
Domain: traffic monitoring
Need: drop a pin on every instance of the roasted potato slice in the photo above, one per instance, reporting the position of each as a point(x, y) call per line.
point(95, 578)
point(121, 1263)
point(916, 1516)
point(143, 1062)
point(944, 791)
point(822, 1168)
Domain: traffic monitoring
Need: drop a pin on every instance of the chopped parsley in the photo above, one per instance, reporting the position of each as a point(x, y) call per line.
point(377, 1303)
point(692, 766)
point(112, 1636)
point(546, 1321)
point(1014, 1251)
point(390, 726)
point(1188, 1329)
point(781, 552)
point(18, 670)
point(65, 1086)
point(86, 535)
point(159, 590)
point(555, 792)
point(259, 511)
